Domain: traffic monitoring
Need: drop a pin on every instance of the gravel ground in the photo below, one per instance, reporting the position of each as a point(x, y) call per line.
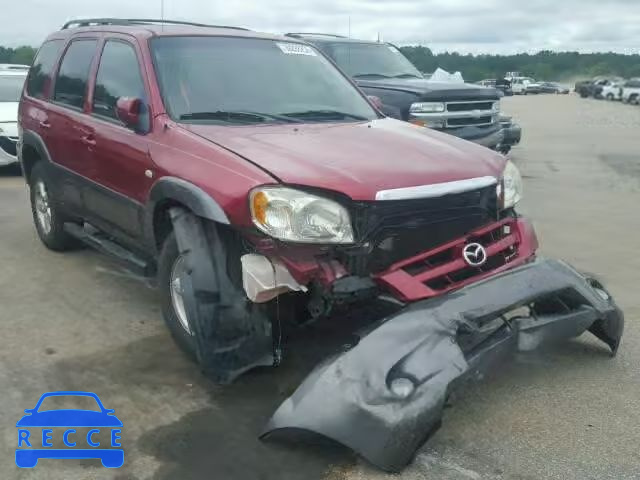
point(78, 322)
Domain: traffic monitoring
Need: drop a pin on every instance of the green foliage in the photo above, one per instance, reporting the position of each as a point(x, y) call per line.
point(22, 55)
point(544, 65)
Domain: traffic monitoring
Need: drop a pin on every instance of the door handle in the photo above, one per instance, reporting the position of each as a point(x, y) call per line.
point(88, 140)
point(45, 124)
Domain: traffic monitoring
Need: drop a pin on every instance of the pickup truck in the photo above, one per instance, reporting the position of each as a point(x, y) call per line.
point(471, 112)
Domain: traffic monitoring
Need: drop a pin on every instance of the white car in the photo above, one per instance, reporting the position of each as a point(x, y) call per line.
point(11, 83)
point(524, 85)
point(612, 91)
point(631, 92)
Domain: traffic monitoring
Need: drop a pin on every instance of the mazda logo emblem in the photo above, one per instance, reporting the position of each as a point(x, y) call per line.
point(474, 254)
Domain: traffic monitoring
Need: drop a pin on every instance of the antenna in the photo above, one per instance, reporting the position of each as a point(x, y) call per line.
point(162, 12)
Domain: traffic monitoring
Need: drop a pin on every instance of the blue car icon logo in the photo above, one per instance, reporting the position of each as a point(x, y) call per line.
point(32, 446)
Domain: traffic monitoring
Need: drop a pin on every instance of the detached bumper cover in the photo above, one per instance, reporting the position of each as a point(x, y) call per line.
point(349, 397)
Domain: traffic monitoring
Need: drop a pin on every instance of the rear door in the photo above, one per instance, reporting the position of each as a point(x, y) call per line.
point(71, 132)
point(120, 168)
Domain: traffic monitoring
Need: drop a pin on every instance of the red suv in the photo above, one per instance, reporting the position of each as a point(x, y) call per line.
point(255, 181)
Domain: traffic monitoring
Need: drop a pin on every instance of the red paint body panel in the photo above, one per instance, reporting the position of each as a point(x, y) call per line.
point(357, 159)
point(410, 287)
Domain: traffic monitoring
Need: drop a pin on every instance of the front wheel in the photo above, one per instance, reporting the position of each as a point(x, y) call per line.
point(171, 269)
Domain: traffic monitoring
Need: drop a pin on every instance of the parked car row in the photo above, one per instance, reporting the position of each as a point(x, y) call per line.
point(519, 85)
point(627, 91)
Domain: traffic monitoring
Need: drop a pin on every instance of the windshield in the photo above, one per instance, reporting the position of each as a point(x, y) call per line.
point(246, 80)
point(11, 87)
point(373, 59)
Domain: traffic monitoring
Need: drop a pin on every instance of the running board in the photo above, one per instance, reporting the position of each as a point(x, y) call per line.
point(101, 242)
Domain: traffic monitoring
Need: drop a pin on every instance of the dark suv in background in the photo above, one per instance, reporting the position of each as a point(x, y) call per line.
point(380, 69)
point(259, 187)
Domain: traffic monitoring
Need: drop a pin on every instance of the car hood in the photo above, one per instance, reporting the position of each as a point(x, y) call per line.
point(357, 159)
point(430, 90)
point(8, 112)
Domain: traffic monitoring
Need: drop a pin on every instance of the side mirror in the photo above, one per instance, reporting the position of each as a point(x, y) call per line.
point(128, 111)
point(375, 101)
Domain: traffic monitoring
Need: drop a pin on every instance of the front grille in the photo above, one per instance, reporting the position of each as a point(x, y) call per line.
point(463, 122)
point(469, 106)
point(8, 145)
point(390, 231)
point(443, 268)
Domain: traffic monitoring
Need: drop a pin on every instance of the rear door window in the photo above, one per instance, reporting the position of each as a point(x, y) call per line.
point(118, 76)
point(40, 74)
point(71, 83)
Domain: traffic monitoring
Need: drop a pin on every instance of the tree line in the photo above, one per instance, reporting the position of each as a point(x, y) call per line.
point(21, 55)
point(544, 65)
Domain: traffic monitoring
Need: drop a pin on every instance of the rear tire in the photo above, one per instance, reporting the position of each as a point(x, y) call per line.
point(176, 321)
point(47, 217)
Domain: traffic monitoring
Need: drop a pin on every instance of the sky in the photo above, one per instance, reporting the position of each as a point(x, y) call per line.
point(466, 26)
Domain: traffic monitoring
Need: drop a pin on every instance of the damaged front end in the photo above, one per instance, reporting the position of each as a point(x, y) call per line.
point(385, 397)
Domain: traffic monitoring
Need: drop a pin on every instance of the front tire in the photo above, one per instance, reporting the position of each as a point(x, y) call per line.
point(47, 217)
point(170, 265)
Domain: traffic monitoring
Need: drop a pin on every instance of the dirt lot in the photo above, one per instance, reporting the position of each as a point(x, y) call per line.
point(77, 322)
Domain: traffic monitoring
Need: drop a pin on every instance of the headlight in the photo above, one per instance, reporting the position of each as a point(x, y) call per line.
point(510, 188)
point(496, 106)
point(426, 107)
point(297, 216)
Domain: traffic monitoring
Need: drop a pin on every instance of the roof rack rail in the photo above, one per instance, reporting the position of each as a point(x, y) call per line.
point(302, 34)
point(88, 22)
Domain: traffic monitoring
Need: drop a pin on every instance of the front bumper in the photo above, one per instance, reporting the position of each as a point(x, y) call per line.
point(436, 344)
point(489, 137)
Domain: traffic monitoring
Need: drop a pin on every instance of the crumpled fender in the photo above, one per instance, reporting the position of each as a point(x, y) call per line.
point(232, 335)
point(348, 398)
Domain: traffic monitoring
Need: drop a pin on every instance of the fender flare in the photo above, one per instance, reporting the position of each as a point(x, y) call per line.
point(34, 140)
point(185, 193)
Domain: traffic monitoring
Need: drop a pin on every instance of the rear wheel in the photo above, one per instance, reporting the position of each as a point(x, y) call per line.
point(47, 217)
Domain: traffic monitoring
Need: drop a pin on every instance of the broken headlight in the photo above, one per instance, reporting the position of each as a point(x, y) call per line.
point(296, 216)
point(510, 187)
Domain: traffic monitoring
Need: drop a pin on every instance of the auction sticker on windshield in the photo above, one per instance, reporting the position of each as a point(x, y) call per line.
point(90, 432)
point(296, 49)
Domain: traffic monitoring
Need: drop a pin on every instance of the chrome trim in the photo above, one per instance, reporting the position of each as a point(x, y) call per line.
point(437, 189)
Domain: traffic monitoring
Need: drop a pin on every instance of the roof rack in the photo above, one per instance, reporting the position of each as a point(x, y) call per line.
point(88, 22)
point(302, 34)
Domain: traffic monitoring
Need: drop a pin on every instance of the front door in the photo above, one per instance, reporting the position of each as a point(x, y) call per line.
point(120, 168)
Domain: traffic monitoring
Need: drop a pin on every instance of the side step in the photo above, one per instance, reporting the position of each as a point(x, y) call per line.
point(101, 242)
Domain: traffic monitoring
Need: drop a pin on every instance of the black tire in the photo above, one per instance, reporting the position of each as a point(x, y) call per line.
point(168, 257)
point(54, 237)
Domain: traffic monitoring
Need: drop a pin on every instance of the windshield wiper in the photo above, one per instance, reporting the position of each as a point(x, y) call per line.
point(407, 75)
point(379, 75)
point(324, 115)
point(237, 116)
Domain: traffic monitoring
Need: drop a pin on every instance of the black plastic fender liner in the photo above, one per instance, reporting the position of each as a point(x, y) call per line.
point(231, 334)
point(350, 397)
